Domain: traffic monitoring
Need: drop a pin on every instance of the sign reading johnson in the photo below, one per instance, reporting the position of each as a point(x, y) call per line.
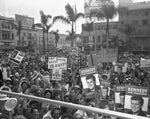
point(57, 62)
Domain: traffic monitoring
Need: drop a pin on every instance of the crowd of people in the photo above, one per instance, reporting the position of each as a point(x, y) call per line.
point(32, 77)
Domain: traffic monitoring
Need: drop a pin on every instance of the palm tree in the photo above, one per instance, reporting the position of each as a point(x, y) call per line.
point(107, 12)
point(44, 25)
point(56, 37)
point(72, 17)
point(47, 31)
point(18, 27)
point(70, 36)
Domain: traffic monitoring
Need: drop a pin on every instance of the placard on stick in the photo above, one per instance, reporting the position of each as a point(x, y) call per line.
point(137, 91)
point(16, 57)
point(86, 71)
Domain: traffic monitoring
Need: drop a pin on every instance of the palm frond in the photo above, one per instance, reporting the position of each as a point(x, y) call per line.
point(48, 27)
point(96, 13)
point(109, 10)
point(68, 31)
point(70, 12)
point(78, 15)
point(61, 18)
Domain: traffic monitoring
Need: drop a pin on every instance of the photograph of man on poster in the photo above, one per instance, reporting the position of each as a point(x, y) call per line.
point(91, 83)
point(120, 107)
point(93, 92)
point(136, 106)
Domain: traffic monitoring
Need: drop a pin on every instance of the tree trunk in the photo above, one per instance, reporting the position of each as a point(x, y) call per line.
point(107, 34)
point(19, 39)
point(47, 42)
point(72, 33)
point(43, 41)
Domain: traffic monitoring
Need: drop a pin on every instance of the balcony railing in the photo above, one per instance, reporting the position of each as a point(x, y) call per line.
point(74, 106)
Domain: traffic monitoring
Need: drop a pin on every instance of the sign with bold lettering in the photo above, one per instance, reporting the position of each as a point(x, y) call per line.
point(118, 89)
point(119, 97)
point(16, 56)
point(136, 95)
point(145, 63)
point(57, 62)
point(86, 71)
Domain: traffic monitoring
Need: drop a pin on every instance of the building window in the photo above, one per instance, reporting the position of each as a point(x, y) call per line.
point(85, 39)
point(122, 22)
point(145, 22)
point(135, 22)
point(93, 39)
point(12, 36)
point(98, 39)
point(98, 27)
point(98, 47)
point(146, 13)
point(24, 34)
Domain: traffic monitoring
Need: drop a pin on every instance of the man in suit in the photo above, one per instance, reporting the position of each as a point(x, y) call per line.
point(136, 105)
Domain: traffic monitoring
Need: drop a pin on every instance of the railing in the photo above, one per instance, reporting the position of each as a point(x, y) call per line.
point(75, 106)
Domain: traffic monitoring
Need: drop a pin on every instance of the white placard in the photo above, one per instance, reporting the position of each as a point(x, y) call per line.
point(57, 73)
point(57, 62)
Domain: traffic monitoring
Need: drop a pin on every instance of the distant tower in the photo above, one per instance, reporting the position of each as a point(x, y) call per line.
point(125, 2)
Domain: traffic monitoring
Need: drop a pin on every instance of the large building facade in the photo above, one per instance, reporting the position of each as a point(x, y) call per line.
point(95, 39)
point(18, 33)
point(134, 18)
point(7, 34)
point(63, 42)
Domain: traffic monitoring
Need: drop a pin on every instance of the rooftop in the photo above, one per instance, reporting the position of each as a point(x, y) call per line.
point(139, 6)
point(136, 5)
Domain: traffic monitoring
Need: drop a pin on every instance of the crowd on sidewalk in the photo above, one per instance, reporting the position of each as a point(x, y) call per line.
point(32, 77)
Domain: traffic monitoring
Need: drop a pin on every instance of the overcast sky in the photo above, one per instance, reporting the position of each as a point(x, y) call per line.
point(31, 8)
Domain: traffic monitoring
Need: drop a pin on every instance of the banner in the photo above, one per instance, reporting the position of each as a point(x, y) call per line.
point(105, 56)
point(145, 63)
point(86, 71)
point(57, 62)
point(135, 95)
point(16, 57)
point(57, 73)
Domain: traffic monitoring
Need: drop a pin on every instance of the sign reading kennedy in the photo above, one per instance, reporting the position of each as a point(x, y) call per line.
point(136, 100)
point(57, 62)
point(85, 72)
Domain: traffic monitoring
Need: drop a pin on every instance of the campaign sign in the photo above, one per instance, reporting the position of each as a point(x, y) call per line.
point(136, 98)
point(57, 62)
point(16, 56)
point(145, 63)
point(118, 89)
point(120, 97)
point(105, 88)
point(57, 73)
point(43, 59)
point(86, 71)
